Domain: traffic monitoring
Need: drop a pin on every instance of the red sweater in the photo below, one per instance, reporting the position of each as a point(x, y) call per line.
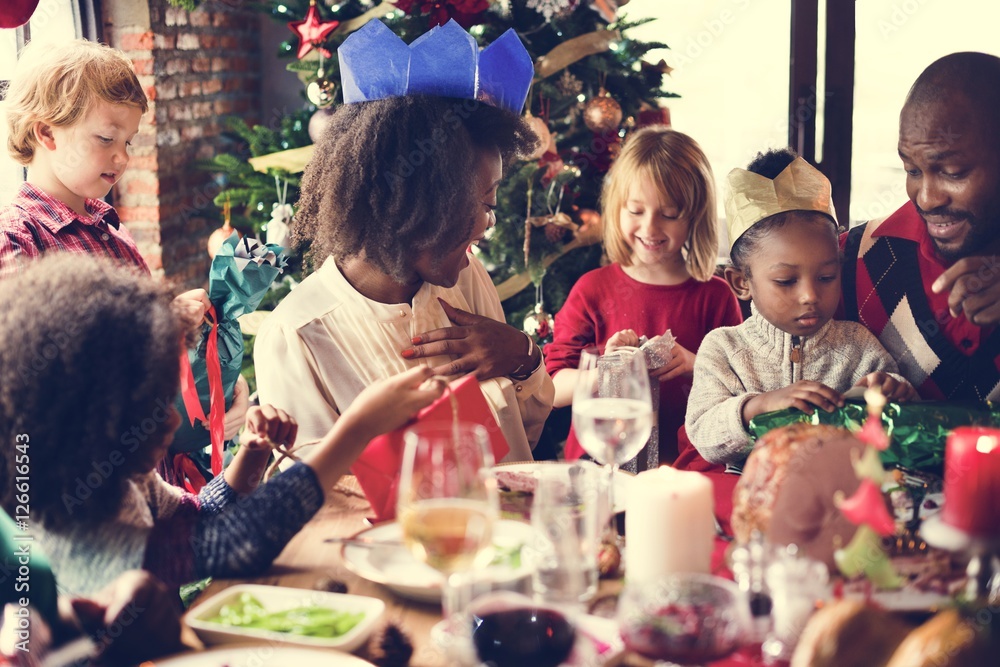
point(605, 301)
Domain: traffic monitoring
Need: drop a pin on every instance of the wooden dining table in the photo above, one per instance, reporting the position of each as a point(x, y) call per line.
point(310, 562)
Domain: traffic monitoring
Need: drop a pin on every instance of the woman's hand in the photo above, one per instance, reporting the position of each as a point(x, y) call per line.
point(681, 363)
point(390, 403)
point(804, 395)
point(894, 390)
point(482, 346)
point(623, 338)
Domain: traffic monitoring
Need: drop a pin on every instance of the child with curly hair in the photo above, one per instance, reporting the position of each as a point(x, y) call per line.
point(72, 111)
point(790, 353)
point(660, 234)
point(86, 389)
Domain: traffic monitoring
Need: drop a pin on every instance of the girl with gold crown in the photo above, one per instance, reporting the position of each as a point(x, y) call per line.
point(790, 353)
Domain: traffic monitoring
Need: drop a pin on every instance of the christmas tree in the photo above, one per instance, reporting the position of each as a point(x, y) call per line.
point(591, 88)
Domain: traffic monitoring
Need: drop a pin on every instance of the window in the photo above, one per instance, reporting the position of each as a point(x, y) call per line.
point(52, 21)
point(731, 68)
point(895, 42)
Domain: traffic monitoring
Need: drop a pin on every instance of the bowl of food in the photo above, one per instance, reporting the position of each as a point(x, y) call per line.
point(287, 616)
point(686, 619)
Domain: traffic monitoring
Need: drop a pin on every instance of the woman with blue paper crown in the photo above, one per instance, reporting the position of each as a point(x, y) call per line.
point(402, 183)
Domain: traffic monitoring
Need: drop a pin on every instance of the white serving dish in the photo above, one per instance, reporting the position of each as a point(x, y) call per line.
point(280, 598)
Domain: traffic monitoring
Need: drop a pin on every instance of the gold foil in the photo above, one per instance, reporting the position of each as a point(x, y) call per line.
point(752, 197)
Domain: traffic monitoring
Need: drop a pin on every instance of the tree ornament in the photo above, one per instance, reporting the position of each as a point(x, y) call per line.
point(540, 128)
point(569, 85)
point(321, 91)
point(277, 228)
point(16, 13)
point(555, 233)
point(550, 8)
point(602, 114)
point(312, 31)
point(538, 323)
point(318, 122)
point(218, 237)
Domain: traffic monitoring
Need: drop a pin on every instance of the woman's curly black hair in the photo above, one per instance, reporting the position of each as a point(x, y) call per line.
point(88, 374)
point(769, 165)
point(393, 177)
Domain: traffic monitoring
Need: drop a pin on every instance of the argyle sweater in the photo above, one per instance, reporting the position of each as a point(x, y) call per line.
point(889, 267)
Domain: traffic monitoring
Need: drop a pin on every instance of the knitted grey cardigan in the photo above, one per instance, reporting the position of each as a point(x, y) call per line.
point(734, 364)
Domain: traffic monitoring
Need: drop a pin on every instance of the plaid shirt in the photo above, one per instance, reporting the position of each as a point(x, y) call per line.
point(35, 223)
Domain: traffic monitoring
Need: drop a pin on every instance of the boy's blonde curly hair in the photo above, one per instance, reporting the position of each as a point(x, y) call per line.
point(59, 84)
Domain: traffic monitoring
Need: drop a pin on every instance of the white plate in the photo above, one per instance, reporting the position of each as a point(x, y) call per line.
point(623, 479)
point(264, 655)
point(395, 568)
point(280, 598)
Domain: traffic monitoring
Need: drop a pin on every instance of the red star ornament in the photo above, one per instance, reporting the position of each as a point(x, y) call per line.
point(311, 32)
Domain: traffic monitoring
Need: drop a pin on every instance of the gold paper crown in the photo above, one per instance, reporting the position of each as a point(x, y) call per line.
point(752, 197)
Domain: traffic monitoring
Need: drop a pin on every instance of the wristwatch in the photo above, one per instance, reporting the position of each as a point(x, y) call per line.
point(522, 372)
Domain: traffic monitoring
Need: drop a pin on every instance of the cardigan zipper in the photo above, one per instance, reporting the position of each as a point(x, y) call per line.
point(795, 356)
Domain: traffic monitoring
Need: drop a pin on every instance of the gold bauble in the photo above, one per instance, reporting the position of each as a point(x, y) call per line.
point(602, 114)
point(218, 237)
point(541, 129)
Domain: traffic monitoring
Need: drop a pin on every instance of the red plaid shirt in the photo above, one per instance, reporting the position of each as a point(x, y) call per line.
point(35, 223)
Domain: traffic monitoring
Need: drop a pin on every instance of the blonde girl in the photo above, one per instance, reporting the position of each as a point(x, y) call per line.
point(660, 235)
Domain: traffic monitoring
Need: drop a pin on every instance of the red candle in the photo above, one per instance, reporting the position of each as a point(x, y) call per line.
point(972, 481)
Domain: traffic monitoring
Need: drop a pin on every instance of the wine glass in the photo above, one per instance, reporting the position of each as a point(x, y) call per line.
point(447, 501)
point(612, 408)
point(683, 619)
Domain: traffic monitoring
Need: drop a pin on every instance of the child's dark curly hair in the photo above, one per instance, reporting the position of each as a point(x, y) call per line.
point(88, 374)
point(769, 165)
point(393, 177)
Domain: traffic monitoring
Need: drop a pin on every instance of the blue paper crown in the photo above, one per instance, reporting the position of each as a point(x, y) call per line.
point(445, 61)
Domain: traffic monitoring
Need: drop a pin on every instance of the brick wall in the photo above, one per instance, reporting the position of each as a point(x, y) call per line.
point(196, 67)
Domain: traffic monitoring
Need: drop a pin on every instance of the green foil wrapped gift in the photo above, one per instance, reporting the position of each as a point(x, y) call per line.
point(916, 431)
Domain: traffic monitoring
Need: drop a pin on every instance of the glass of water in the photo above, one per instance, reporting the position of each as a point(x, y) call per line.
point(612, 408)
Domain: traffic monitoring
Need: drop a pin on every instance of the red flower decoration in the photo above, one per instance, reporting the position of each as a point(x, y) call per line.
point(312, 32)
point(466, 13)
point(872, 433)
point(867, 506)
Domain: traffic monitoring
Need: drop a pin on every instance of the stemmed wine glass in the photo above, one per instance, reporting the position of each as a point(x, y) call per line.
point(683, 619)
point(447, 501)
point(612, 408)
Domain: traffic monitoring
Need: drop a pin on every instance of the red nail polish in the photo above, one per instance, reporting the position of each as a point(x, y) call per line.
point(415, 340)
point(407, 354)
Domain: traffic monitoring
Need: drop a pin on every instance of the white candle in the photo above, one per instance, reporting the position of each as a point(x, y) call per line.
point(669, 524)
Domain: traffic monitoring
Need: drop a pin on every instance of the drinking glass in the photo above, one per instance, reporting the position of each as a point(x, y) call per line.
point(683, 619)
point(447, 501)
point(612, 408)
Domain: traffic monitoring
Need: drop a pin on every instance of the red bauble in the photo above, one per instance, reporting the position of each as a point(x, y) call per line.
point(16, 13)
point(312, 32)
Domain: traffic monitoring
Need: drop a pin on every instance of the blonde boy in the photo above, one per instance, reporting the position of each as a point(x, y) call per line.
point(71, 111)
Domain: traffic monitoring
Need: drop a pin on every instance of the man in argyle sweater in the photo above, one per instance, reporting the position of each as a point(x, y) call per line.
point(926, 280)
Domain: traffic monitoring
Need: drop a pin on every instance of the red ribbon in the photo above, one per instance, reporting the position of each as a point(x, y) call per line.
point(187, 473)
point(216, 397)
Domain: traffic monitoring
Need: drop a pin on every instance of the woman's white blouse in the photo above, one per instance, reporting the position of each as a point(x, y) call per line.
point(325, 342)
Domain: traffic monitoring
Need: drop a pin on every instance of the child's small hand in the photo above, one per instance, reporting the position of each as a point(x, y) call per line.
point(237, 412)
point(624, 338)
point(388, 404)
point(682, 363)
point(266, 425)
point(894, 390)
point(804, 395)
point(191, 307)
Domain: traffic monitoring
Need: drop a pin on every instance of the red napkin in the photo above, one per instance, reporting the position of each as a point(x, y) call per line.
point(378, 467)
